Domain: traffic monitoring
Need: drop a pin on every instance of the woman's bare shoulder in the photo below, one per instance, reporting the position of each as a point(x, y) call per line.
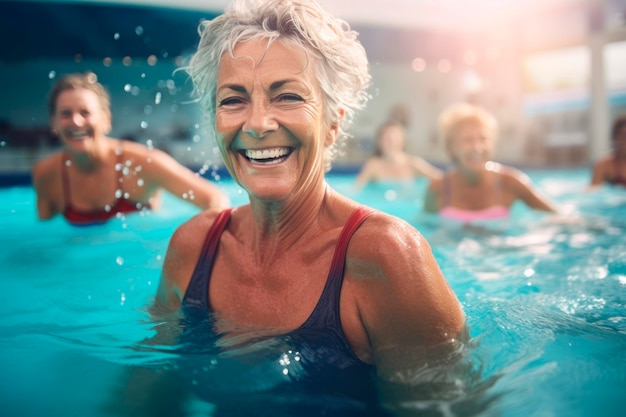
point(385, 239)
point(46, 168)
point(194, 230)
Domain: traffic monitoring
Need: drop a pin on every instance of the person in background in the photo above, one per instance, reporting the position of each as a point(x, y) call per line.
point(95, 177)
point(612, 168)
point(391, 162)
point(477, 188)
point(280, 82)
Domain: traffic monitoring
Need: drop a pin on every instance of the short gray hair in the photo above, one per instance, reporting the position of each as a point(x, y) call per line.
point(343, 70)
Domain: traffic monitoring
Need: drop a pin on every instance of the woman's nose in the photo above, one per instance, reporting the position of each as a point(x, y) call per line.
point(260, 120)
point(78, 119)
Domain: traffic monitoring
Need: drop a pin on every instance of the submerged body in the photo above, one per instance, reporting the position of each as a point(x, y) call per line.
point(276, 120)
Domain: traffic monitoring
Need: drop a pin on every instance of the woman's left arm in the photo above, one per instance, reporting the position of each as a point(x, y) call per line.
point(410, 313)
point(522, 188)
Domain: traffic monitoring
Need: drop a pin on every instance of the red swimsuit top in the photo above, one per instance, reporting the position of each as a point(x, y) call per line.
point(79, 217)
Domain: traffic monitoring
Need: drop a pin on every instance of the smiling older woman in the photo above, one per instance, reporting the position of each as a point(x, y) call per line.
point(281, 81)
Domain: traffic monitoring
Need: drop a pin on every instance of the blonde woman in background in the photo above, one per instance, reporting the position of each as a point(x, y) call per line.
point(476, 187)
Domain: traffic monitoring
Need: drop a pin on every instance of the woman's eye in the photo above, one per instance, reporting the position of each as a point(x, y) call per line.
point(230, 101)
point(289, 97)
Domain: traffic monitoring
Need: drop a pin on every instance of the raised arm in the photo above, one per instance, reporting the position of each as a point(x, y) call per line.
point(523, 188)
point(165, 172)
point(365, 175)
point(432, 197)
point(43, 181)
point(425, 169)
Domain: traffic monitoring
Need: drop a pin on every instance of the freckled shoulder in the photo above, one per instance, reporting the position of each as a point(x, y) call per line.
point(384, 243)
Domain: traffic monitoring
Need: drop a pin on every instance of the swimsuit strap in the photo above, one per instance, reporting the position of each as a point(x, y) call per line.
point(326, 312)
point(65, 181)
point(198, 290)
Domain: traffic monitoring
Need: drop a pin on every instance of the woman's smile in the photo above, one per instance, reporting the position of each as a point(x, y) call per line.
point(268, 156)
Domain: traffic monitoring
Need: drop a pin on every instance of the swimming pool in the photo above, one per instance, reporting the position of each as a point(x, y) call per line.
point(545, 301)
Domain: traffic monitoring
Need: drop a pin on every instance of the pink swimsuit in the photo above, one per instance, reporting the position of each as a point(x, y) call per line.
point(467, 216)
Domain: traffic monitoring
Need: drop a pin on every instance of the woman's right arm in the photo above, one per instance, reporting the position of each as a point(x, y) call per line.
point(431, 198)
point(43, 181)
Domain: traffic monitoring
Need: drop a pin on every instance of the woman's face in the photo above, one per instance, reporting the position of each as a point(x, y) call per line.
point(391, 139)
point(269, 119)
point(79, 119)
point(469, 146)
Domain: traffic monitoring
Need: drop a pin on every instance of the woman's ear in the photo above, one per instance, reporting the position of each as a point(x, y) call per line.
point(333, 131)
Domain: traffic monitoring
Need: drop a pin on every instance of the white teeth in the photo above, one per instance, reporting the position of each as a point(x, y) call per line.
point(267, 153)
point(78, 134)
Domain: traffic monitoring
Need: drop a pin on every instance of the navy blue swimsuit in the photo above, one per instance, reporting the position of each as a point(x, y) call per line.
point(325, 316)
point(323, 375)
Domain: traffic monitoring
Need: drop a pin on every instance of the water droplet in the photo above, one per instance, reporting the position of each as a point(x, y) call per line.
point(139, 30)
point(52, 74)
point(140, 182)
point(68, 163)
point(118, 193)
point(116, 36)
point(126, 196)
point(119, 260)
point(107, 208)
point(127, 87)
point(143, 124)
point(157, 97)
point(149, 144)
point(118, 166)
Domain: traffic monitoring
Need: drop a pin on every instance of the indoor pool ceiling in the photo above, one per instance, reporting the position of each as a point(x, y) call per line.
point(392, 29)
point(431, 14)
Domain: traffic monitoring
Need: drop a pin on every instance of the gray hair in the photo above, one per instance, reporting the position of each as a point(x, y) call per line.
point(343, 70)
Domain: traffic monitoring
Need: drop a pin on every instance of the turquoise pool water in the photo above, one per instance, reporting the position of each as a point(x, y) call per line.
point(545, 300)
